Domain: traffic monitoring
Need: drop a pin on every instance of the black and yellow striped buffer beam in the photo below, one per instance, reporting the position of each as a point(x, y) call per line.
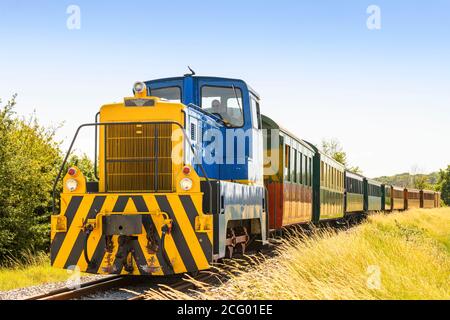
point(124, 234)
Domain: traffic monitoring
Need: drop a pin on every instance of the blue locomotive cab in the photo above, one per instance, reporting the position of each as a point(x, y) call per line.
point(223, 122)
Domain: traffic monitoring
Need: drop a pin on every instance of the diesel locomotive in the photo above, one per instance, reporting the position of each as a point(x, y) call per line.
point(188, 171)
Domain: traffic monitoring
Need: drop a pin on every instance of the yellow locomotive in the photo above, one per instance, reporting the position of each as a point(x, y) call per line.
point(127, 225)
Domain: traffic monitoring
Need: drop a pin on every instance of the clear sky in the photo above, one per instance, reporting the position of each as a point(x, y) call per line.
point(315, 63)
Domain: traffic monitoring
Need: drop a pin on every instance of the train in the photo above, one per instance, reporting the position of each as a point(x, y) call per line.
point(188, 171)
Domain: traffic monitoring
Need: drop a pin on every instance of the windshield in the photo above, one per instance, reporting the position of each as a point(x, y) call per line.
point(172, 94)
point(224, 102)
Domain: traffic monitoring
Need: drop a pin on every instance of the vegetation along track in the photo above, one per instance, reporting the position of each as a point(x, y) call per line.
point(181, 285)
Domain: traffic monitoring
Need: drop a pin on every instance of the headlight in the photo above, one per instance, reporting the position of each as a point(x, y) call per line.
point(71, 185)
point(186, 184)
point(139, 87)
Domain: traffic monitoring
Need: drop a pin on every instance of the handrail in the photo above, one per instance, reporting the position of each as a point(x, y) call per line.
point(96, 124)
point(95, 147)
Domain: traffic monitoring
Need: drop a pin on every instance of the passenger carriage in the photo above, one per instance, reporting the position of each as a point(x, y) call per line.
point(354, 193)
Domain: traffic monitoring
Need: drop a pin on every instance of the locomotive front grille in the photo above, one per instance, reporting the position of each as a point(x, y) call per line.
point(138, 158)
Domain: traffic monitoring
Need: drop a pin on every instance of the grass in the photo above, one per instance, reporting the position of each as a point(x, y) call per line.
point(32, 269)
point(397, 256)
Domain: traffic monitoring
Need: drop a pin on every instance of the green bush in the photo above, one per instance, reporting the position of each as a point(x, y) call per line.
point(444, 185)
point(29, 157)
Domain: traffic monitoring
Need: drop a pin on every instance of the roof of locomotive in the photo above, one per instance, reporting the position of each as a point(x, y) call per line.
point(206, 78)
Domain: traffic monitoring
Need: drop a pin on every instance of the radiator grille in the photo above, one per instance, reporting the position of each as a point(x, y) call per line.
point(138, 158)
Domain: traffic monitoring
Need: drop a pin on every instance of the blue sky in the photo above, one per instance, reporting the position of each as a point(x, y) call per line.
point(315, 64)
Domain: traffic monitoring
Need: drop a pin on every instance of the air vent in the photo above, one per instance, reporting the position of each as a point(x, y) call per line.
point(138, 158)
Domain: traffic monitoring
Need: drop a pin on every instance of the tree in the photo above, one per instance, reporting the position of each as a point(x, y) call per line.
point(29, 159)
point(420, 182)
point(334, 149)
point(444, 185)
point(355, 169)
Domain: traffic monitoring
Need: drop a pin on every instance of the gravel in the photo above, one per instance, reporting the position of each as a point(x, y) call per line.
point(117, 294)
point(23, 293)
point(138, 286)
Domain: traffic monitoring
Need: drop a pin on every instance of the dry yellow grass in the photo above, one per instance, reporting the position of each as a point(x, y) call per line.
point(396, 256)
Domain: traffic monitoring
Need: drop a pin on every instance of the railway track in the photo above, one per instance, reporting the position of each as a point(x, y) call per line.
point(85, 289)
point(110, 283)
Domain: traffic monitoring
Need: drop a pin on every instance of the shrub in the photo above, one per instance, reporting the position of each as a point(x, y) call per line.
point(29, 157)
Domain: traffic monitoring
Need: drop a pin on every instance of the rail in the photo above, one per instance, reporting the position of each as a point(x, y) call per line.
point(84, 289)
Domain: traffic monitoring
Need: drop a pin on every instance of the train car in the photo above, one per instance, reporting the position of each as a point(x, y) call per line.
point(427, 199)
point(398, 198)
point(328, 187)
point(373, 195)
point(354, 192)
point(160, 206)
point(387, 197)
point(288, 176)
point(437, 200)
point(412, 198)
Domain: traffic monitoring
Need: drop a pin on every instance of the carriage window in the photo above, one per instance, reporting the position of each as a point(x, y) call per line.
point(310, 172)
point(333, 177)
point(294, 165)
point(287, 163)
point(299, 167)
point(304, 173)
point(172, 94)
point(224, 102)
point(321, 172)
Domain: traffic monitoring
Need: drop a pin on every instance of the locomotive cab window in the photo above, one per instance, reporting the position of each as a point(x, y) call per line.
point(224, 102)
point(172, 94)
